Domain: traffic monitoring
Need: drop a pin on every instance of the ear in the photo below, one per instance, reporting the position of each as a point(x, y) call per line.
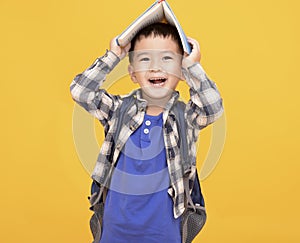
point(132, 73)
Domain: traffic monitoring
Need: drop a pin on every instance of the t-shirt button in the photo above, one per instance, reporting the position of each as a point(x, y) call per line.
point(146, 130)
point(148, 123)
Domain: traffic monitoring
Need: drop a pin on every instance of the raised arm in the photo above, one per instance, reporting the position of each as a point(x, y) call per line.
point(205, 104)
point(85, 88)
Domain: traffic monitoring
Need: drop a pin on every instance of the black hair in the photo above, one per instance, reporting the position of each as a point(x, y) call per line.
point(157, 29)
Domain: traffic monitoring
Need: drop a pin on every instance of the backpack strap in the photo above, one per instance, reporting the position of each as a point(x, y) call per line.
point(182, 128)
point(184, 152)
point(194, 216)
point(126, 104)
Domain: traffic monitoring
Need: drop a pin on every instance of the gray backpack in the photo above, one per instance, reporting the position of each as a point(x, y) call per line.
point(193, 218)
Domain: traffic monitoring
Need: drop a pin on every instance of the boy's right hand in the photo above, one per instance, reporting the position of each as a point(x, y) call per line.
point(121, 52)
point(195, 54)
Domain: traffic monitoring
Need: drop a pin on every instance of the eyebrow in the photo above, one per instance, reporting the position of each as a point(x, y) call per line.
point(160, 52)
point(168, 52)
point(142, 53)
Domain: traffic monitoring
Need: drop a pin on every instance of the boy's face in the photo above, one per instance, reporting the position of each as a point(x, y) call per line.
point(156, 66)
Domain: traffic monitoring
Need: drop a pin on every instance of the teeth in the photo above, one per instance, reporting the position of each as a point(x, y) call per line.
point(158, 84)
point(156, 79)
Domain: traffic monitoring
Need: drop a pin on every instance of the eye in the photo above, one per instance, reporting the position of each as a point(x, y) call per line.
point(145, 59)
point(167, 58)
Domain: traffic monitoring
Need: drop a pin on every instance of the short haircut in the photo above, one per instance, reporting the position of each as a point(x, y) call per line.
point(157, 29)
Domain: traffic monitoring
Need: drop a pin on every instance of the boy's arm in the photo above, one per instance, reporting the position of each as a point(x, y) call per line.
point(85, 86)
point(205, 104)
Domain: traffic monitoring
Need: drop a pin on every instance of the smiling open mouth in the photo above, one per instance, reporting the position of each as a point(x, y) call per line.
point(157, 81)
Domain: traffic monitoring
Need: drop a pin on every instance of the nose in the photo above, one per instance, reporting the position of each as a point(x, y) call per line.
point(155, 65)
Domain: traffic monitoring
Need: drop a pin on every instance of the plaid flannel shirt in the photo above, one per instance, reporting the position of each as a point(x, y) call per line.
point(203, 108)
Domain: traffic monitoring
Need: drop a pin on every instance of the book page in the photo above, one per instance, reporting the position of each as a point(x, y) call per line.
point(152, 15)
point(171, 18)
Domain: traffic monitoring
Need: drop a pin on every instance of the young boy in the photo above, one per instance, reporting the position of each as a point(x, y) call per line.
point(141, 169)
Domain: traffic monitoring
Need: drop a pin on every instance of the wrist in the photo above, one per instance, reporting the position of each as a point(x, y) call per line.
point(115, 52)
point(111, 59)
point(196, 70)
point(186, 63)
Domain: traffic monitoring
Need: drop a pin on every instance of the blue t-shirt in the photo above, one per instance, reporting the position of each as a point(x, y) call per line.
point(138, 208)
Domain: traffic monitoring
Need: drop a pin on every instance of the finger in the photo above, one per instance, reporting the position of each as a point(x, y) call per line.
point(193, 42)
point(127, 47)
point(113, 42)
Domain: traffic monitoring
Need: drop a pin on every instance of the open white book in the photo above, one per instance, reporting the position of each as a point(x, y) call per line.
point(157, 12)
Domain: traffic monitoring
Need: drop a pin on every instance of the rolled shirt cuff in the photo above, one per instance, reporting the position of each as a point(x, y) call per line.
point(111, 59)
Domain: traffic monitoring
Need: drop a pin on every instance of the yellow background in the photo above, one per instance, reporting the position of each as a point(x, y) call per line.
point(250, 48)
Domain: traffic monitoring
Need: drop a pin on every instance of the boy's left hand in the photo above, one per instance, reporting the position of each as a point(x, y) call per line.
point(195, 54)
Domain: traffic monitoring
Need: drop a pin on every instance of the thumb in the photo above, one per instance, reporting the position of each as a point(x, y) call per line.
point(127, 47)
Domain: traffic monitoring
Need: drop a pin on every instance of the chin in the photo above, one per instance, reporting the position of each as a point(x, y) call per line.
point(157, 93)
